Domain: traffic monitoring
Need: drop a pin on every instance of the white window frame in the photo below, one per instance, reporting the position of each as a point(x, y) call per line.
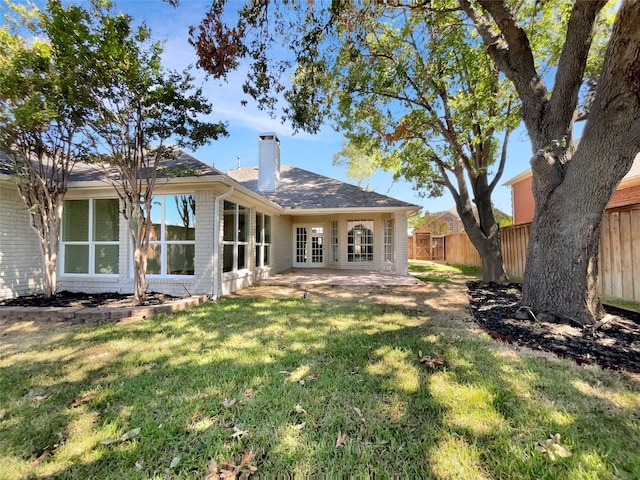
point(90, 242)
point(368, 256)
point(235, 243)
point(335, 256)
point(388, 241)
point(261, 243)
point(164, 243)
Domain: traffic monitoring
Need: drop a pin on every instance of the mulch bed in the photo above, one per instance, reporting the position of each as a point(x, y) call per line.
point(615, 345)
point(75, 299)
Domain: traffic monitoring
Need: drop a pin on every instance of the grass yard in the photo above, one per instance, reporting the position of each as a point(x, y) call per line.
point(432, 272)
point(324, 387)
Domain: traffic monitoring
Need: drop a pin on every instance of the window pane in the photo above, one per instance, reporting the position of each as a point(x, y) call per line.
point(106, 259)
point(258, 256)
point(76, 259)
point(243, 224)
point(227, 258)
point(154, 259)
point(75, 221)
point(180, 217)
point(229, 221)
point(106, 223)
point(259, 237)
point(180, 259)
point(267, 229)
point(267, 255)
point(242, 257)
point(156, 219)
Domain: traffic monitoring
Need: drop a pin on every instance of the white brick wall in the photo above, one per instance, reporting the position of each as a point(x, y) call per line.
point(20, 257)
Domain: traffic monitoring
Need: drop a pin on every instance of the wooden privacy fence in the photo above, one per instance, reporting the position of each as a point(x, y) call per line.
point(619, 260)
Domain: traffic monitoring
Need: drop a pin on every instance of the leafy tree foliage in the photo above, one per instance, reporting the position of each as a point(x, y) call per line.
point(43, 108)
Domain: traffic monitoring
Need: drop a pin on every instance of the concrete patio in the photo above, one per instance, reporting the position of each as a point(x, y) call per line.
point(332, 276)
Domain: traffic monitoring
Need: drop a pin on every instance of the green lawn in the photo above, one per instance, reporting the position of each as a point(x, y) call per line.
point(432, 272)
point(312, 387)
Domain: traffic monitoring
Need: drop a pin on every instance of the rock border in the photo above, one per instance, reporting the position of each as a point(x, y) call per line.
point(96, 315)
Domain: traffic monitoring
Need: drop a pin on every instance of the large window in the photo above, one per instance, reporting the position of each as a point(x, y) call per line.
point(173, 234)
point(263, 240)
point(90, 230)
point(235, 240)
point(388, 241)
point(360, 241)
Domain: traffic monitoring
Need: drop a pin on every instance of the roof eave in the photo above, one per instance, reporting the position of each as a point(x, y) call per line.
point(408, 209)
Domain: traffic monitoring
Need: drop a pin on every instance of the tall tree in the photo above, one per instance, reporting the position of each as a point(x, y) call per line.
point(571, 183)
point(139, 106)
point(42, 110)
point(410, 83)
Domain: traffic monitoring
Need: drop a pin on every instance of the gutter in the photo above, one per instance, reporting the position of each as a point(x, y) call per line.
point(216, 287)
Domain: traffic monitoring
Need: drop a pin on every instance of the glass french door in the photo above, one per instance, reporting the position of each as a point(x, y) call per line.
point(308, 246)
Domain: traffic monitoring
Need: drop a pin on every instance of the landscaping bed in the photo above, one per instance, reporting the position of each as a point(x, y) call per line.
point(615, 344)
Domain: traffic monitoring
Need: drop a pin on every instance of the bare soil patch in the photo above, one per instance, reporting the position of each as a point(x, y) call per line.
point(615, 345)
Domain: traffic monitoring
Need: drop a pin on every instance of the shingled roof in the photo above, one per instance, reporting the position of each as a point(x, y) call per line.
point(301, 189)
point(183, 165)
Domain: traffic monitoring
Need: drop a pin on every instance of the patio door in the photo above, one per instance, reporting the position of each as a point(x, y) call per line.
point(308, 246)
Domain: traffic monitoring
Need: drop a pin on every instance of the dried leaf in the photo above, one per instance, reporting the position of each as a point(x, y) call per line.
point(226, 403)
point(247, 459)
point(342, 437)
point(108, 441)
point(139, 465)
point(432, 362)
point(299, 426)
point(41, 457)
point(284, 372)
point(298, 408)
point(130, 434)
point(359, 412)
point(302, 382)
point(82, 399)
point(238, 432)
point(553, 447)
point(174, 462)
point(213, 471)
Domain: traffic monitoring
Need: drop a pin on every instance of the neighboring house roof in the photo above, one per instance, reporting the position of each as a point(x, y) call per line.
point(302, 190)
point(631, 178)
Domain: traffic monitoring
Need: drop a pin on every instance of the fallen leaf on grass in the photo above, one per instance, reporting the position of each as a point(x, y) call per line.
point(238, 433)
point(130, 434)
point(298, 409)
point(299, 426)
point(226, 403)
point(359, 412)
point(552, 447)
point(431, 362)
point(342, 437)
point(230, 470)
point(41, 457)
point(82, 399)
point(174, 462)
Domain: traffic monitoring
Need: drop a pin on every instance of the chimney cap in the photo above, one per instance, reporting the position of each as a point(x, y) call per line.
point(269, 136)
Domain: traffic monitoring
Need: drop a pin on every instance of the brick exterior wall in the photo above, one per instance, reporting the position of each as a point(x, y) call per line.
point(20, 258)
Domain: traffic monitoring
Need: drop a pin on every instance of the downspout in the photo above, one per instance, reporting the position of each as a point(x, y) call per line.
point(216, 284)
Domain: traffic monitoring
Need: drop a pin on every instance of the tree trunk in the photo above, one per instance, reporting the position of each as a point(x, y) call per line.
point(571, 190)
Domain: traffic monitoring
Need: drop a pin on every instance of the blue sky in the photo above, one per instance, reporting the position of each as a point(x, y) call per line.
point(311, 152)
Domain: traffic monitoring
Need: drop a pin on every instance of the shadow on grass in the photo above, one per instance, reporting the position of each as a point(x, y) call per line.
point(353, 368)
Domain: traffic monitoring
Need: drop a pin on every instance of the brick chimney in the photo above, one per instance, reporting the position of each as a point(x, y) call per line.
point(268, 162)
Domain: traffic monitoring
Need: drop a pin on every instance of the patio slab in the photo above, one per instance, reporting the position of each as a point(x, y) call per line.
point(331, 276)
